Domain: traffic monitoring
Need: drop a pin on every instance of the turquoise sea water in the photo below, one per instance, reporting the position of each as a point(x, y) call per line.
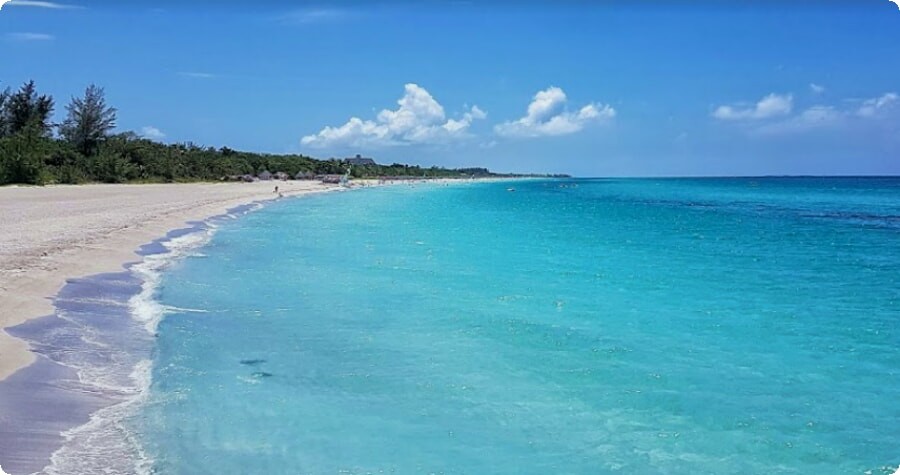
point(721, 326)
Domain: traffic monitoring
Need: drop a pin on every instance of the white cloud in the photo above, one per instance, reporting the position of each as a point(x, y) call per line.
point(41, 4)
point(548, 116)
point(819, 114)
point(314, 15)
point(197, 75)
point(815, 117)
point(816, 89)
point(152, 133)
point(419, 119)
point(872, 107)
point(851, 114)
point(30, 37)
point(773, 105)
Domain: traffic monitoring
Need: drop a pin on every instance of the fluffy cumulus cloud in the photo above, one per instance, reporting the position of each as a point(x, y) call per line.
point(773, 105)
point(419, 119)
point(152, 133)
point(547, 116)
point(873, 107)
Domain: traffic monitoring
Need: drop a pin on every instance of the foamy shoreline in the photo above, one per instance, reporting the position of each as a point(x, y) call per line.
point(72, 264)
point(81, 243)
point(55, 233)
point(51, 234)
point(98, 342)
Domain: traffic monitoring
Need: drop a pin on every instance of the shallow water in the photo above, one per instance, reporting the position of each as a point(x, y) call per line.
point(582, 326)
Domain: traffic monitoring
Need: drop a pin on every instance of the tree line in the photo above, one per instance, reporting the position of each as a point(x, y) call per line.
point(84, 148)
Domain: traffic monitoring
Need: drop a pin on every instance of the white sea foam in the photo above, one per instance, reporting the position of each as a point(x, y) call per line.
point(106, 444)
point(144, 306)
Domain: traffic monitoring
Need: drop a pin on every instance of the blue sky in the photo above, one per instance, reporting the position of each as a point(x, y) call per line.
point(643, 88)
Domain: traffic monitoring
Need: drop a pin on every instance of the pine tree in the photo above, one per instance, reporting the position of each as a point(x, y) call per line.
point(26, 110)
point(89, 120)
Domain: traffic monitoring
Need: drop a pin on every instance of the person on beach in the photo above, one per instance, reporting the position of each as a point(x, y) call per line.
point(276, 190)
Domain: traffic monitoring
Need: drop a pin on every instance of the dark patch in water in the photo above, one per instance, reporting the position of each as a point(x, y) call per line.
point(262, 374)
point(254, 362)
point(865, 219)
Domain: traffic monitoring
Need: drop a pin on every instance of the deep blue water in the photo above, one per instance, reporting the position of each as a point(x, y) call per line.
point(720, 326)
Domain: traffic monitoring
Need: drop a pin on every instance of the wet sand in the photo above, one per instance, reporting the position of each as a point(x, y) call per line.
point(50, 234)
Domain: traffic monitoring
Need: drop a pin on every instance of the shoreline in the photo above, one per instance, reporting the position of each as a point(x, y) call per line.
point(86, 288)
point(93, 363)
point(87, 356)
point(58, 234)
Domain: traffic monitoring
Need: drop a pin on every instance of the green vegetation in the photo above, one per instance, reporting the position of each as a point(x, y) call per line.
point(85, 150)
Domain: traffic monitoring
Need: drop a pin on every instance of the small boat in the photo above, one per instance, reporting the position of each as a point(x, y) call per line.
point(510, 189)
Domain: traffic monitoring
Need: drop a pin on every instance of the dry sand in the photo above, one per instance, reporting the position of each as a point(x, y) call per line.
point(49, 234)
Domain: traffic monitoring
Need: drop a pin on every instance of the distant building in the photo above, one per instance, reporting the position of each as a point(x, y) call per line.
point(265, 175)
point(282, 176)
point(360, 160)
point(304, 176)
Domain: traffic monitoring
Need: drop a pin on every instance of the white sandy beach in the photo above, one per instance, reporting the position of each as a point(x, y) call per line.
point(49, 234)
